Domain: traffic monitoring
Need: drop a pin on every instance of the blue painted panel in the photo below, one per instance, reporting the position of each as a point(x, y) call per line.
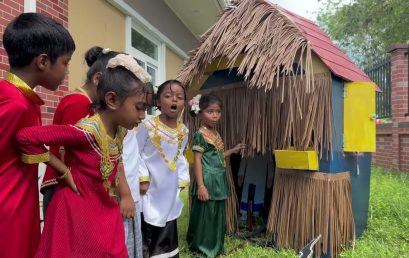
point(360, 187)
point(338, 163)
point(359, 166)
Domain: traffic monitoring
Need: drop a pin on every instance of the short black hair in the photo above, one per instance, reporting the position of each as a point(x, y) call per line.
point(163, 86)
point(119, 80)
point(206, 101)
point(97, 59)
point(32, 34)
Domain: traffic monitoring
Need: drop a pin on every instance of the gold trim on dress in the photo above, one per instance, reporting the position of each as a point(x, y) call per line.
point(165, 134)
point(157, 139)
point(213, 138)
point(109, 148)
point(143, 179)
point(35, 158)
point(24, 88)
point(183, 184)
point(197, 148)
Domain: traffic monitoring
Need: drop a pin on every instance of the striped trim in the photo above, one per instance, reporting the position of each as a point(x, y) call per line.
point(183, 184)
point(144, 179)
point(167, 255)
point(48, 183)
point(197, 148)
point(35, 158)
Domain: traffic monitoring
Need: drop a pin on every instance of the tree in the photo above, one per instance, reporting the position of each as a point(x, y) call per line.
point(364, 29)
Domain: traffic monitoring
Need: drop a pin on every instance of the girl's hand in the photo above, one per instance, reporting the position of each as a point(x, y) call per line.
point(67, 179)
point(127, 207)
point(202, 194)
point(143, 187)
point(238, 147)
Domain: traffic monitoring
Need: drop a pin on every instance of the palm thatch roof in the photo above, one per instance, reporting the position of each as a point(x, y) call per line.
point(270, 41)
point(280, 106)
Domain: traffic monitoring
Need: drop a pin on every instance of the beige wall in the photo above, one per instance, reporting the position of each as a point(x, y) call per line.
point(318, 65)
point(173, 64)
point(92, 23)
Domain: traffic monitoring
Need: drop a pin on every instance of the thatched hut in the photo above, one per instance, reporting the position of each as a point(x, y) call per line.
point(289, 90)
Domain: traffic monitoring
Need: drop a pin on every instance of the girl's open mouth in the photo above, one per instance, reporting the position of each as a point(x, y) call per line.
point(173, 107)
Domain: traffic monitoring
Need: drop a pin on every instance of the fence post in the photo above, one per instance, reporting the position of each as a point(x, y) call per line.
point(399, 98)
point(399, 82)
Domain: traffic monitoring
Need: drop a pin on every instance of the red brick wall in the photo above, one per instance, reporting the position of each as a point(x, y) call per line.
point(399, 80)
point(8, 10)
point(392, 140)
point(383, 155)
point(56, 9)
point(404, 152)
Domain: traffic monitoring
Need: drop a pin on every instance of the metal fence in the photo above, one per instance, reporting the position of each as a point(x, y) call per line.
point(380, 73)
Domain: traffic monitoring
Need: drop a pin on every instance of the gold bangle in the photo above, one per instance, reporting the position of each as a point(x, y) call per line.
point(201, 186)
point(63, 175)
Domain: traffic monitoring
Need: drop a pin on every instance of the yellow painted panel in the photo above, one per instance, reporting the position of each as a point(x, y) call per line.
point(291, 159)
point(359, 117)
point(189, 155)
point(173, 64)
point(93, 23)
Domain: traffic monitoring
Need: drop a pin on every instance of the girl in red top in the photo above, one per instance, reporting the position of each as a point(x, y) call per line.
point(74, 107)
point(84, 219)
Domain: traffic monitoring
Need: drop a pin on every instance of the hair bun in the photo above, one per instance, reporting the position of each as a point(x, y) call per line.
point(92, 55)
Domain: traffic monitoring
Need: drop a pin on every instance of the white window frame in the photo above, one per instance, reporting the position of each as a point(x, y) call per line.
point(160, 63)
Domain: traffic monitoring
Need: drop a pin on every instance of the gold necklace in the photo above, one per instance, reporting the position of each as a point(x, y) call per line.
point(216, 140)
point(108, 147)
point(156, 141)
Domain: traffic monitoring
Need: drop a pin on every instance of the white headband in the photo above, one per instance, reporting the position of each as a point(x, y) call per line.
point(131, 65)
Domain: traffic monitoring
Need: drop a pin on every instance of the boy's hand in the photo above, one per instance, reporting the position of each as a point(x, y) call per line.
point(127, 207)
point(143, 187)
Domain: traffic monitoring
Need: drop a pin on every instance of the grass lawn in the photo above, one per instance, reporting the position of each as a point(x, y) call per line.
point(388, 224)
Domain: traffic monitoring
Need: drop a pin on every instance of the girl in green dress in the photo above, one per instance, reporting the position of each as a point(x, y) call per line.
point(207, 224)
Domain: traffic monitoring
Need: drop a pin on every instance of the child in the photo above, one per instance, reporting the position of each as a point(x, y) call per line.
point(164, 170)
point(39, 50)
point(207, 218)
point(72, 108)
point(84, 220)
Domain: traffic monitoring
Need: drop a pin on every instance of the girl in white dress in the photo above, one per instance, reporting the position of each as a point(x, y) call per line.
point(164, 171)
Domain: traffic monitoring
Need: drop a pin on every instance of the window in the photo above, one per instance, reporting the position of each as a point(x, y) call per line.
point(148, 52)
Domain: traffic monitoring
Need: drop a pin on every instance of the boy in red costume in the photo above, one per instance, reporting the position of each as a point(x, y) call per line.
point(39, 50)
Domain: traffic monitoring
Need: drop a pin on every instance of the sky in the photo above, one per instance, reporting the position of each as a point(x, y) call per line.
point(305, 8)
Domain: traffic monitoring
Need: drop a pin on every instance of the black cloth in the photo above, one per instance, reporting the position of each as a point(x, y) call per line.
point(160, 240)
point(48, 193)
